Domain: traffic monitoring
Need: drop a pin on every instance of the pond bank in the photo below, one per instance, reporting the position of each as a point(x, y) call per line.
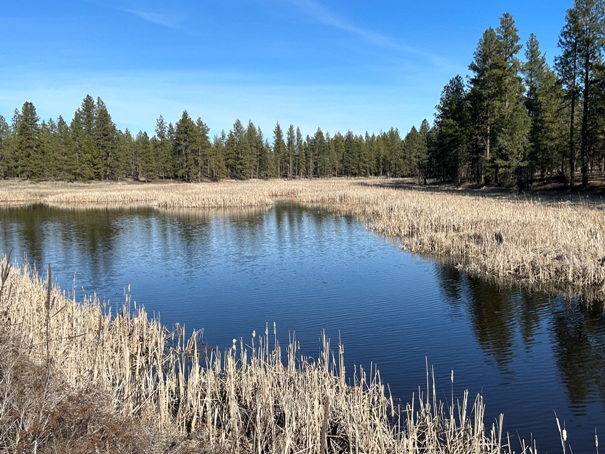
point(75, 367)
point(551, 244)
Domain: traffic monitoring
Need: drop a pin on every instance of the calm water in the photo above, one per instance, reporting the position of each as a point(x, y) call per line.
point(308, 271)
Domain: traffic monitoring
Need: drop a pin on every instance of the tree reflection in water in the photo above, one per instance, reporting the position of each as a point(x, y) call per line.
point(498, 313)
point(580, 352)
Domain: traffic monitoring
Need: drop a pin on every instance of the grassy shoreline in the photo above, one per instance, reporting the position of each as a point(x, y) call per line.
point(76, 378)
point(550, 244)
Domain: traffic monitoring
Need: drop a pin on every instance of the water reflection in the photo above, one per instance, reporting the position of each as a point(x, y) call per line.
point(230, 271)
point(580, 353)
point(499, 313)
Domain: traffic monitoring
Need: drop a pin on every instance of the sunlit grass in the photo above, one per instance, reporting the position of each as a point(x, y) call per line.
point(134, 384)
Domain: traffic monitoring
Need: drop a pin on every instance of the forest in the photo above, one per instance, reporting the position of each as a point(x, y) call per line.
point(512, 121)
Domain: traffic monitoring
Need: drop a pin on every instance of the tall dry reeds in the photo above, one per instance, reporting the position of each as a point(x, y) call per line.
point(256, 396)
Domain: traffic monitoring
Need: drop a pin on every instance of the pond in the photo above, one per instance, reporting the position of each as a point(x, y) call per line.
point(309, 271)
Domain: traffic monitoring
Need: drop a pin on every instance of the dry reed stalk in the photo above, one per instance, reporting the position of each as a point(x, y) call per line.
point(246, 399)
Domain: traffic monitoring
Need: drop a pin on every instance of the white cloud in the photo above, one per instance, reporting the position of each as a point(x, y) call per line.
point(329, 18)
point(171, 21)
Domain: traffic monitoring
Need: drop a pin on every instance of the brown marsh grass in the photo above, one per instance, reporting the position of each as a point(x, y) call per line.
point(550, 244)
point(77, 378)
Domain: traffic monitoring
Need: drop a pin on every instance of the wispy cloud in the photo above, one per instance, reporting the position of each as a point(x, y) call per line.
point(171, 21)
point(329, 18)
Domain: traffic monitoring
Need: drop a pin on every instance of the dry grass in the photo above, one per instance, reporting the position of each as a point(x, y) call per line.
point(75, 378)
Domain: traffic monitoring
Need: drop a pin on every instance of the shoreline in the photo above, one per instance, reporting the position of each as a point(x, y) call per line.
point(552, 245)
point(77, 376)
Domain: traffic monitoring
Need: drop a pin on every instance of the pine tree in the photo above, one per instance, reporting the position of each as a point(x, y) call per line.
point(280, 151)
point(5, 148)
point(29, 159)
point(449, 154)
point(90, 164)
point(300, 154)
point(291, 148)
point(105, 142)
point(338, 144)
point(544, 103)
point(513, 139)
point(65, 157)
point(49, 149)
point(202, 150)
point(483, 99)
point(163, 149)
point(242, 151)
point(415, 154)
point(216, 162)
point(581, 41)
point(568, 67)
point(498, 110)
point(184, 147)
point(145, 165)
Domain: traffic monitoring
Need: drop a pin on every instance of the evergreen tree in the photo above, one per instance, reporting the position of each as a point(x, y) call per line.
point(129, 153)
point(449, 153)
point(280, 151)
point(568, 67)
point(498, 112)
point(29, 158)
point(291, 149)
point(250, 148)
point(49, 149)
point(320, 153)
point(415, 153)
point(260, 154)
point(216, 162)
point(105, 141)
point(582, 40)
point(202, 150)
point(349, 156)
point(163, 149)
point(338, 145)
point(184, 147)
point(65, 158)
point(243, 151)
point(300, 154)
point(393, 153)
point(5, 148)
point(90, 164)
point(483, 97)
point(544, 103)
point(145, 162)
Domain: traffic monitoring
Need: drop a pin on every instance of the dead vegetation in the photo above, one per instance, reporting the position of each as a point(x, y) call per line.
point(76, 378)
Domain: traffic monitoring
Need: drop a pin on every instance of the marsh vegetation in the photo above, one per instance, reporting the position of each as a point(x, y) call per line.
point(258, 394)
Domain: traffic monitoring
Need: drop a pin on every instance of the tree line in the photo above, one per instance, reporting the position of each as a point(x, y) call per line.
point(511, 121)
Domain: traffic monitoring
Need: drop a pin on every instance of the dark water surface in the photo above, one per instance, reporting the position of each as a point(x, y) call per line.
point(308, 270)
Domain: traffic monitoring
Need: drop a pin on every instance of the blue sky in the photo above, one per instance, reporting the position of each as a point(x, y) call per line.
point(338, 65)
